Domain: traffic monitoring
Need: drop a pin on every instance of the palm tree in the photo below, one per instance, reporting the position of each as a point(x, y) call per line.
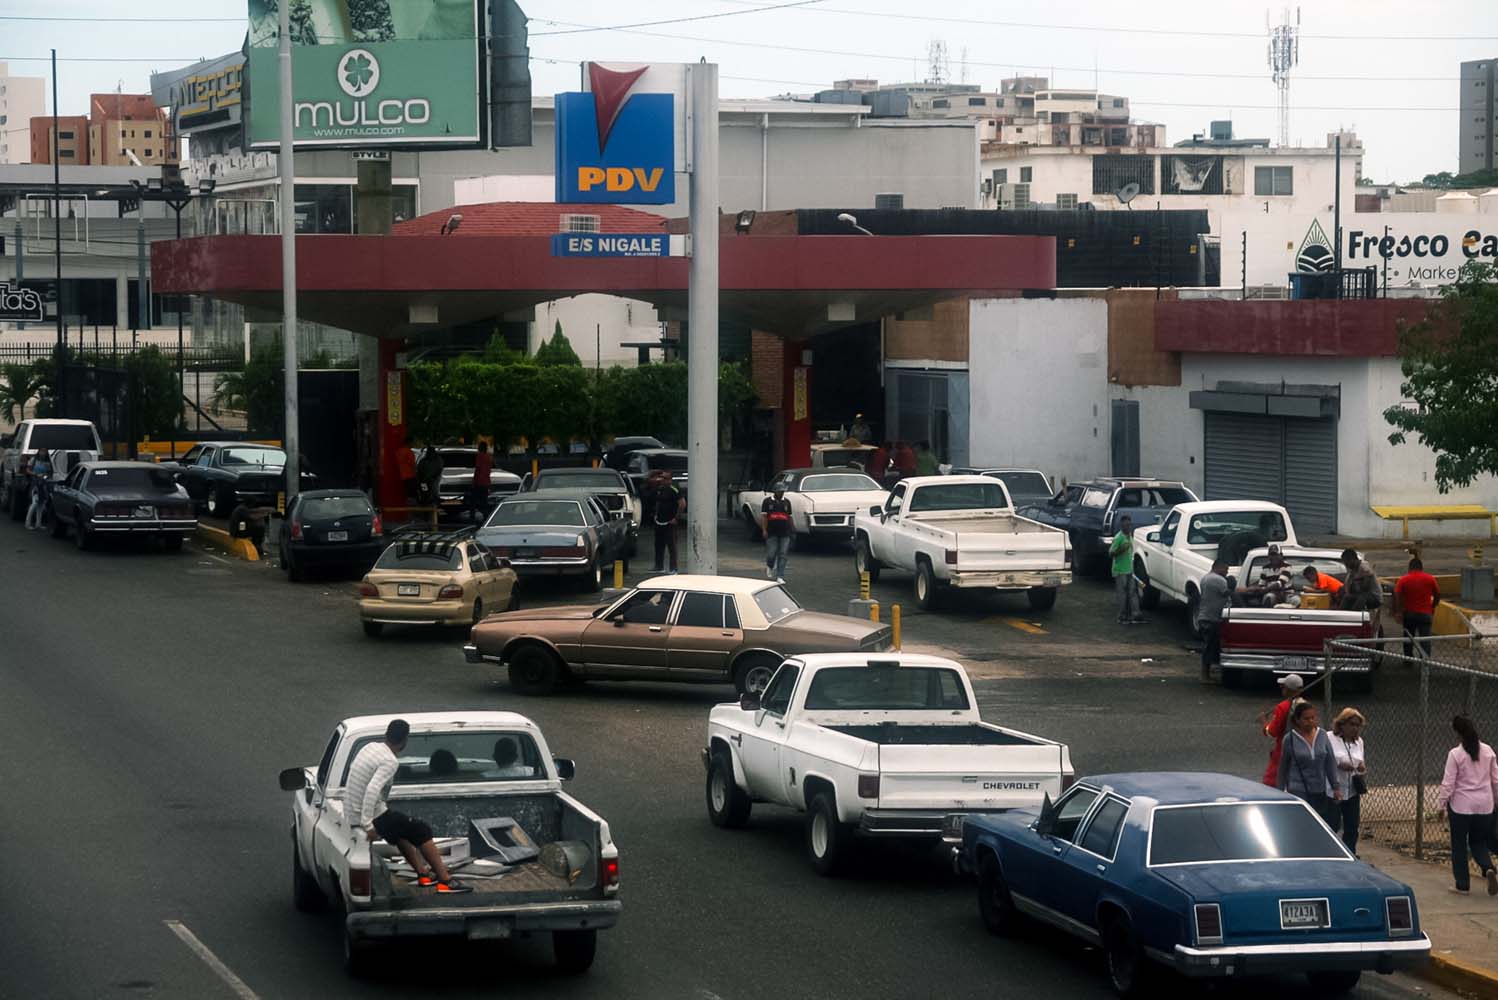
point(19, 384)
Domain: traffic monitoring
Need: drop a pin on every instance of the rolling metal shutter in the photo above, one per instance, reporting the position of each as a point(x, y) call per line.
point(1243, 457)
point(1311, 474)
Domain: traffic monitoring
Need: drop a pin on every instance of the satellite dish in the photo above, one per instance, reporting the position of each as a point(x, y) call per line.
point(1127, 193)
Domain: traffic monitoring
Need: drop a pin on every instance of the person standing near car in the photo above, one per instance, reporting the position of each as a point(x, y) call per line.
point(1347, 747)
point(1216, 597)
point(775, 524)
point(1361, 591)
point(1277, 723)
point(1416, 595)
point(1121, 551)
point(40, 471)
point(429, 476)
point(478, 493)
point(1468, 791)
point(879, 463)
point(904, 459)
point(1307, 768)
point(665, 505)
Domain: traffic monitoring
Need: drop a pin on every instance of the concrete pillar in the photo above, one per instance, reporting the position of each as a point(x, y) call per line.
point(374, 209)
point(121, 301)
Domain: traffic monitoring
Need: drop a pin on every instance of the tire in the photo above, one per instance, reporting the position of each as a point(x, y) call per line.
point(574, 950)
point(293, 571)
point(826, 838)
point(927, 588)
point(478, 610)
point(13, 501)
point(534, 670)
point(754, 534)
point(593, 582)
point(81, 538)
point(221, 502)
point(751, 675)
point(864, 561)
point(727, 804)
point(374, 629)
point(1232, 678)
point(513, 604)
point(305, 895)
point(1193, 602)
point(1334, 984)
point(1127, 966)
point(995, 905)
point(1042, 598)
point(1149, 597)
point(58, 527)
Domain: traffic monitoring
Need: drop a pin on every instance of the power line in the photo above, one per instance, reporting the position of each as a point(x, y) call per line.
point(40, 17)
point(575, 29)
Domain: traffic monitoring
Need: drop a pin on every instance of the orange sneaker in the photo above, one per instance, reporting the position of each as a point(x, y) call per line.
point(453, 886)
point(426, 879)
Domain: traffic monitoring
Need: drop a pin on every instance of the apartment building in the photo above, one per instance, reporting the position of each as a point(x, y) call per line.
point(21, 98)
point(121, 130)
point(1477, 129)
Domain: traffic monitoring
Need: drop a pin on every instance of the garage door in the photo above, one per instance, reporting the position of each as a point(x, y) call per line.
point(1281, 459)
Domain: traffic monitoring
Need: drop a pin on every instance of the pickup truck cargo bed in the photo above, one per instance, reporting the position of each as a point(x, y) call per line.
point(964, 734)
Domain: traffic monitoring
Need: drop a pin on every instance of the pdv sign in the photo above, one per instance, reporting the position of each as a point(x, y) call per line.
point(614, 146)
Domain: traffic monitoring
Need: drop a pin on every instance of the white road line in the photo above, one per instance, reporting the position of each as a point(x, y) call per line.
point(221, 559)
point(240, 988)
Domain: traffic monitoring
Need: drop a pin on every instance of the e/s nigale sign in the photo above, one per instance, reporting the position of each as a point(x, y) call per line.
point(611, 245)
point(368, 73)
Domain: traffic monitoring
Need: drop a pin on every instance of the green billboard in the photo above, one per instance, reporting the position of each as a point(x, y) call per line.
point(368, 73)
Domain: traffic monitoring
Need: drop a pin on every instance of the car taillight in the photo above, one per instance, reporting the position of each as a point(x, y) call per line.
point(1067, 780)
point(951, 557)
point(296, 527)
point(367, 589)
point(377, 527)
point(1208, 923)
point(358, 881)
point(504, 551)
point(1401, 916)
point(451, 592)
point(868, 786)
point(1067, 561)
point(611, 873)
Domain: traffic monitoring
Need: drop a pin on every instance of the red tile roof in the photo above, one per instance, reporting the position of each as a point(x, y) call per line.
point(522, 218)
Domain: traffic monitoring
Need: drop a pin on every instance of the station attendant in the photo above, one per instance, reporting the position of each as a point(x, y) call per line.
point(1416, 595)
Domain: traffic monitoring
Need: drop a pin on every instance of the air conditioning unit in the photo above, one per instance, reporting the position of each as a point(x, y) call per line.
point(889, 202)
point(1014, 196)
point(987, 186)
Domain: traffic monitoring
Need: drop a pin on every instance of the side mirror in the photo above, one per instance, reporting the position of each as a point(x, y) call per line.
point(876, 510)
point(1153, 536)
point(749, 702)
point(1046, 824)
point(566, 768)
point(293, 779)
point(600, 610)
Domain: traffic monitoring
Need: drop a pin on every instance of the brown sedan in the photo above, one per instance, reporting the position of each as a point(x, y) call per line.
point(703, 629)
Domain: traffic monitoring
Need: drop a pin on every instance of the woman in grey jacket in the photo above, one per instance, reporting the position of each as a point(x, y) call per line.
point(1308, 768)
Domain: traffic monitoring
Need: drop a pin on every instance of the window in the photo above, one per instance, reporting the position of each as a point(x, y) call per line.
point(827, 484)
point(62, 437)
point(1069, 812)
point(645, 607)
point(147, 154)
point(558, 479)
point(1210, 529)
point(528, 512)
point(455, 757)
point(977, 102)
point(264, 457)
point(941, 102)
point(476, 562)
point(1192, 175)
point(1026, 174)
point(66, 154)
point(1273, 181)
point(1066, 202)
point(421, 555)
point(1246, 831)
point(1118, 102)
point(730, 612)
point(1168, 529)
point(64, 135)
point(326, 764)
point(1001, 176)
point(148, 133)
point(896, 500)
point(581, 223)
point(1101, 835)
point(886, 689)
point(142, 480)
point(324, 208)
point(777, 699)
point(776, 604)
point(701, 611)
point(958, 496)
point(1094, 497)
point(1111, 171)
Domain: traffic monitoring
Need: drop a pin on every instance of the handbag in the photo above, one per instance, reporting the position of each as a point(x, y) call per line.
point(1359, 782)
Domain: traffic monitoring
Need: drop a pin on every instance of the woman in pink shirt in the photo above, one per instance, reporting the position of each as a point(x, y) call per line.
point(1467, 792)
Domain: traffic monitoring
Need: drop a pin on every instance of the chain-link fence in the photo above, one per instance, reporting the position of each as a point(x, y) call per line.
point(1419, 687)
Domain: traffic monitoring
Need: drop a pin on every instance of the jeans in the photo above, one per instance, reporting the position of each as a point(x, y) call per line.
point(1212, 646)
point(1469, 830)
point(38, 507)
point(1128, 596)
point(777, 549)
point(665, 538)
point(1349, 818)
point(1416, 625)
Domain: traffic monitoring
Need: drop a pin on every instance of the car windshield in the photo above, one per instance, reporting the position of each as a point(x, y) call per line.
point(1240, 831)
point(886, 688)
point(421, 555)
point(321, 507)
point(454, 459)
point(1211, 528)
point(449, 758)
point(268, 457)
point(564, 513)
point(1029, 485)
point(579, 481)
point(958, 496)
point(675, 463)
point(145, 480)
point(62, 437)
point(1169, 496)
point(776, 603)
point(827, 484)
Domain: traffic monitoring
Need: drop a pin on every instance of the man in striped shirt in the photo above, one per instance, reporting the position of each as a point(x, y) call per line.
point(369, 779)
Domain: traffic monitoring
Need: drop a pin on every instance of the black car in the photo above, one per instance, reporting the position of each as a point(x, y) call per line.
point(125, 498)
point(1090, 512)
point(333, 529)
point(617, 456)
point(613, 489)
point(555, 534)
point(644, 461)
point(221, 475)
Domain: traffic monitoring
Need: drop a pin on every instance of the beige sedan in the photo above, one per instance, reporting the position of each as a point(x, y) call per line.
point(435, 579)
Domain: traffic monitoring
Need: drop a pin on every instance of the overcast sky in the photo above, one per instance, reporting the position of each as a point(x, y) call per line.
point(1181, 63)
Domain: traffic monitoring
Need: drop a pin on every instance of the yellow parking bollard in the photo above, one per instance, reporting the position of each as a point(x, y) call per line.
point(618, 574)
point(874, 613)
point(894, 621)
point(863, 585)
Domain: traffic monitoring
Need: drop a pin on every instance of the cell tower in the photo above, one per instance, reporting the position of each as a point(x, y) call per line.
point(936, 56)
point(1284, 55)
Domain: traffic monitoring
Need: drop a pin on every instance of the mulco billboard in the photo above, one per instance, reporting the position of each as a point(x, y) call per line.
point(370, 73)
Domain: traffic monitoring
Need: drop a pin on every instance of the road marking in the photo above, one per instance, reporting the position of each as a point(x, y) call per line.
point(221, 559)
point(1018, 623)
point(240, 988)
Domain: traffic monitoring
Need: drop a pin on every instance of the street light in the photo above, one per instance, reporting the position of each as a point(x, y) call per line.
point(852, 220)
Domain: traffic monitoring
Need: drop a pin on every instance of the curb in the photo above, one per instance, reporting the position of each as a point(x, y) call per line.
point(239, 548)
point(1455, 974)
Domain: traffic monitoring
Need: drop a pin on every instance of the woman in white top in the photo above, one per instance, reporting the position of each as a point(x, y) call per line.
point(1347, 747)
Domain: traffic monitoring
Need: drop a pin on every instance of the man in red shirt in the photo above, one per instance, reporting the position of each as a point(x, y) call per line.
point(904, 459)
point(1274, 726)
point(1416, 595)
point(478, 493)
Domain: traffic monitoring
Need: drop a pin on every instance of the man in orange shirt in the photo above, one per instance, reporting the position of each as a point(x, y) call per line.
point(1317, 580)
point(1416, 595)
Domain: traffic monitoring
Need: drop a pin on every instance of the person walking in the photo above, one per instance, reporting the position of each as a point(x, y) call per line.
point(664, 504)
point(1467, 793)
point(1416, 595)
point(405, 467)
point(1307, 769)
point(478, 492)
point(1277, 723)
point(1216, 596)
point(775, 524)
point(40, 471)
point(1121, 551)
point(1352, 769)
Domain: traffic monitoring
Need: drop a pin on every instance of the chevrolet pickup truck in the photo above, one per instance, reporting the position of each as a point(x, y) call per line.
point(883, 746)
point(69, 442)
point(961, 531)
point(489, 788)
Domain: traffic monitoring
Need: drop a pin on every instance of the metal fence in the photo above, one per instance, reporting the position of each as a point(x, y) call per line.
point(1408, 732)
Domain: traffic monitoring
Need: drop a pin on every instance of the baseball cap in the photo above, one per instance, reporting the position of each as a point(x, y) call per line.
point(1292, 682)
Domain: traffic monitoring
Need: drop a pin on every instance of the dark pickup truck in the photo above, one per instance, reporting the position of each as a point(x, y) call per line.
point(1089, 512)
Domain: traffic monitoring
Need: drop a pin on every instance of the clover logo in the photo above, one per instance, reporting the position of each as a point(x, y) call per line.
point(358, 72)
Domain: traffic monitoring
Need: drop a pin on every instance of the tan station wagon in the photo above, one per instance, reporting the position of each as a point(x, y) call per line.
point(703, 629)
point(435, 579)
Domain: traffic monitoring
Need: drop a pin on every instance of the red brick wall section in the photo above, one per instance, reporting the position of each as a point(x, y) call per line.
point(1366, 328)
point(767, 368)
point(943, 337)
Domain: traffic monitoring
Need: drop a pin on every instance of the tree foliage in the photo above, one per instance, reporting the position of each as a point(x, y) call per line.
point(1450, 366)
point(558, 350)
point(1447, 180)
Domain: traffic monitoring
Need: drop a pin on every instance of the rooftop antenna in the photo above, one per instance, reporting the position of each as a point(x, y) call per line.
point(936, 55)
point(963, 70)
point(1284, 55)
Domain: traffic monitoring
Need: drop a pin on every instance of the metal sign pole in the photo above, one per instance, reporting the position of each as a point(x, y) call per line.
point(288, 258)
point(702, 325)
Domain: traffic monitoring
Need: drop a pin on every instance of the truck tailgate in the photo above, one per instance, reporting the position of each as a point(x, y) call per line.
point(1291, 630)
point(915, 776)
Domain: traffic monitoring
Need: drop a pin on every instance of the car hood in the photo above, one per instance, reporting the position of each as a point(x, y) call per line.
point(1278, 878)
point(564, 613)
point(844, 499)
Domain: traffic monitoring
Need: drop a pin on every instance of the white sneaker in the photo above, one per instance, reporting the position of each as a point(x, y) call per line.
point(769, 573)
point(780, 579)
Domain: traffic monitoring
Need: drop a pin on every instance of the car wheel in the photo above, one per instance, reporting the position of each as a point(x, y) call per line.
point(1193, 602)
point(826, 838)
point(1232, 678)
point(864, 561)
point(514, 602)
point(926, 587)
point(478, 610)
point(727, 804)
point(594, 581)
point(14, 502)
point(1126, 962)
point(305, 895)
point(1042, 598)
point(995, 904)
point(81, 538)
point(752, 674)
point(221, 502)
point(534, 669)
point(1149, 597)
point(173, 543)
point(1333, 983)
point(293, 571)
point(753, 525)
point(374, 629)
point(58, 527)
point(574, 950)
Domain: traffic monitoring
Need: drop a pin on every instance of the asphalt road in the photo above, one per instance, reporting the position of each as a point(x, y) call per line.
point(150, 699)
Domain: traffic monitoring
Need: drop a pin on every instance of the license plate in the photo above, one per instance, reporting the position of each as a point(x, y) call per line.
point(1303, 913)
point(408, 589)
point(489, 929)
point(338, 536)
point(1294, 664)
point(145, 513)
point(525, 553)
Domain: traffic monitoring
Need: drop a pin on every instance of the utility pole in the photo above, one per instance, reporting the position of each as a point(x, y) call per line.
point(289, 441)
point(1244, 296)
point(20, 260)
point(1337, 216)
point(702, 323)
point(57, 201)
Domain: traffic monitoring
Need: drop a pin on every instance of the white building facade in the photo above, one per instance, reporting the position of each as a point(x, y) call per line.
point(22, 98)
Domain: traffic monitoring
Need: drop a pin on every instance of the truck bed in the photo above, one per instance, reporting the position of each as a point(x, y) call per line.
point(529, 878)
point(965, 523)
point(964, 734)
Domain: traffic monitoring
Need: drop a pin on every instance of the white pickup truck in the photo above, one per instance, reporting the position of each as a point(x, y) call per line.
point(69, 442)
point(489, 788)
point(961, 531)
point(884, 746)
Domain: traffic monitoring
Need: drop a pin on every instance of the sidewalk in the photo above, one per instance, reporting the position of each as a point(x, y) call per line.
point(1463, 930)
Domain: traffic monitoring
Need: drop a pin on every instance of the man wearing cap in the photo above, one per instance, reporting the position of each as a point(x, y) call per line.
point(1274, 725)
point(860, 430)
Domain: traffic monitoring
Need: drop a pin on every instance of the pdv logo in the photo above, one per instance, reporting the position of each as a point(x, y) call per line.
point(615, 146)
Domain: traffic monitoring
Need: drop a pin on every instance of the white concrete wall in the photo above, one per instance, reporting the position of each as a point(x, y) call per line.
point(591, 322)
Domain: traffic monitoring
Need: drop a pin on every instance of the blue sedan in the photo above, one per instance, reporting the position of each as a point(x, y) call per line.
point(1210, 875)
